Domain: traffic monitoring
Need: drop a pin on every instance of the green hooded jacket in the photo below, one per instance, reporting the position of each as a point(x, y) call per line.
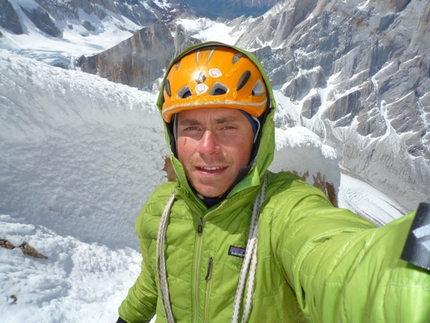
point(315, 262)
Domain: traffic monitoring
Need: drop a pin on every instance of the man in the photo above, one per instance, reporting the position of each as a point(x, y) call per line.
point(231, 241)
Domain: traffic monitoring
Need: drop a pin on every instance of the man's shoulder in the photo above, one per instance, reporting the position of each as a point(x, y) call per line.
point(165, 188)
point(151, 212)
point(285, 180)
point(161, 193)
point(282, 176)
point(291, 184)
point(286, 191)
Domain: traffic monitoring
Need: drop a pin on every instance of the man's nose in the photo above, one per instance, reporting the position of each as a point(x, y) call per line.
point(208, 143)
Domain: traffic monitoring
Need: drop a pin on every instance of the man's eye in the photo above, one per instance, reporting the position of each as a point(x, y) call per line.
point(191, 128)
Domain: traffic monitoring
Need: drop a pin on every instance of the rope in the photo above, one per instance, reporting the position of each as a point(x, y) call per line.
point(161, 261)
point(249, 264)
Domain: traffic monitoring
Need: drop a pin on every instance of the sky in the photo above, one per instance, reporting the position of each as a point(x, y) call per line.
point(79, 156)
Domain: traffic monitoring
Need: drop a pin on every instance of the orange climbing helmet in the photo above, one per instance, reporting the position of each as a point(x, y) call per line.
point(214, 75)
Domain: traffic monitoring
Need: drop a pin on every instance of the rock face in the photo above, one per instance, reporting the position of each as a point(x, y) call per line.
point(360, 76)
point(8, 18)
point(139, 60)
point(43, 21)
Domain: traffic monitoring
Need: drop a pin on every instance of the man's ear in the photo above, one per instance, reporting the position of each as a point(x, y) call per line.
point(172, 132)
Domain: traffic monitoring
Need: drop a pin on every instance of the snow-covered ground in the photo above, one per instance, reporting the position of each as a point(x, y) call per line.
point(79, 282)
point(78, 158)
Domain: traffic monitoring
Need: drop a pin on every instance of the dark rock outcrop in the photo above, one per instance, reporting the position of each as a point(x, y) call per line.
point(139, 60)
point(9, 19)
point(42, 21)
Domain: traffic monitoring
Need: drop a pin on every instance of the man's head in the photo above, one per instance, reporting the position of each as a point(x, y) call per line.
point(214, 103)
point(213, 146)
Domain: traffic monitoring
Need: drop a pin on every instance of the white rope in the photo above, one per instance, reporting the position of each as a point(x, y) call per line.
point(250, 285)
point(161, 261)
point(249, 264)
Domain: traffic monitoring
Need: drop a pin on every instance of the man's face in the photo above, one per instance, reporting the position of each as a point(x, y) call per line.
point(213, 145)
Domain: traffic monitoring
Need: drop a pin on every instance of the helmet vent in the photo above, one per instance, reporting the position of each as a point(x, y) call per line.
point(184, 93)
point(218, 89)
point(236, 58)
point(167, 88)
point(258, 89)
point(244, 78)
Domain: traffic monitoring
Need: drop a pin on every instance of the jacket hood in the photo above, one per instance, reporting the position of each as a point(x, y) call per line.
point(264, 152)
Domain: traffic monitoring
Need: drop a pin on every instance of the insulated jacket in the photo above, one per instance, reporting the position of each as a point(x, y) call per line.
point(315, 262)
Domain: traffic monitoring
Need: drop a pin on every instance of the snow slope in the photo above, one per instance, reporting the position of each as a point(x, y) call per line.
point(65, 134)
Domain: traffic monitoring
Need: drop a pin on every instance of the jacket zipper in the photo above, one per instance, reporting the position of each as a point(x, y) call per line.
point(197, 256)
point(208, 274)
point(208, 279)
point(197, 269)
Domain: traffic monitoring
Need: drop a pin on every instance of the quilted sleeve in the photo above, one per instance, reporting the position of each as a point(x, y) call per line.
point(344, 269)
point(141, 302)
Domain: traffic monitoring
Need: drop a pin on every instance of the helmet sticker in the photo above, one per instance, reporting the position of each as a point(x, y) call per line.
point(201, 88)
point(214, 72)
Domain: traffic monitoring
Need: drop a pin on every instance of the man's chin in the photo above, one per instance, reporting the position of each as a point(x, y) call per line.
point(209, 191)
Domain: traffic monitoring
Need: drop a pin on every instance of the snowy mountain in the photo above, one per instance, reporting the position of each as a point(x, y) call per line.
point(80, 154)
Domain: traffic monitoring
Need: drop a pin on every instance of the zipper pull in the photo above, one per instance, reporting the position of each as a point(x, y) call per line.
point(200, 227)
point(208, 275)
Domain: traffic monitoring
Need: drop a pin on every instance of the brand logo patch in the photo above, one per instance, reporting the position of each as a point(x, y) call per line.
point(423, 235)
point(236, 252)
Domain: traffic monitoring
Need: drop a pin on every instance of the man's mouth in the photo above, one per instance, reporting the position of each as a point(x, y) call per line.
point(211, 168)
